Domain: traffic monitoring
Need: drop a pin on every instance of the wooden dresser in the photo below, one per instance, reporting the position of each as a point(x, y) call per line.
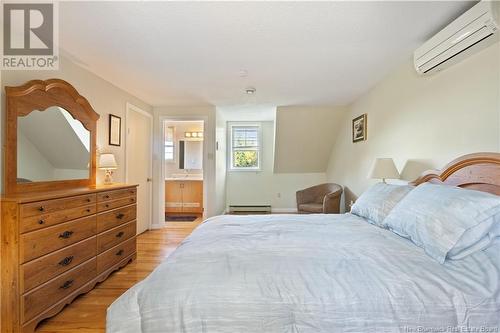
point(57, 245)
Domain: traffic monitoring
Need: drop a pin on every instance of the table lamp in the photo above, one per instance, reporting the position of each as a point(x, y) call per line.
point(107, 163)
point(384, 168)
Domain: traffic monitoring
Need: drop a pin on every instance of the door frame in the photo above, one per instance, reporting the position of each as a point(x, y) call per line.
point(132, 108)
point(161, 199)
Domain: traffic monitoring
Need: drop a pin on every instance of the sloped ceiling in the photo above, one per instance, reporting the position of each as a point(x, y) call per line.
point(53, 136)
point(304, 138)
point(293, 52)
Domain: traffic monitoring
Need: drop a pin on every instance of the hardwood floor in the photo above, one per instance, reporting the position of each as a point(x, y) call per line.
point(87, 314)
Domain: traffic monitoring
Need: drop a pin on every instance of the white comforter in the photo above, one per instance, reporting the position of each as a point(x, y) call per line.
point(309, 273)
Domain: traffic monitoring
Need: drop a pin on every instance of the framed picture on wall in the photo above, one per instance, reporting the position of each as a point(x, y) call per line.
point(359, 128)
point(115, 130)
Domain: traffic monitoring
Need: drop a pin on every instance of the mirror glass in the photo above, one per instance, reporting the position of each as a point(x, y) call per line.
point(52, 145)
point(191, 155)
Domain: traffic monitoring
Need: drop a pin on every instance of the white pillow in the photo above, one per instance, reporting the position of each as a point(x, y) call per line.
point(378, 201)
point(447, 221)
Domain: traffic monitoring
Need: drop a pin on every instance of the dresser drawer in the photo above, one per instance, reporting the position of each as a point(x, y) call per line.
point(50, 293)
point(45, 268)
point(115, 255)
point(48, 206)
point(116, 194)
point(115, 218)
point(107, 205)
point(37, 243)
point(115, 236)
point(41, 221)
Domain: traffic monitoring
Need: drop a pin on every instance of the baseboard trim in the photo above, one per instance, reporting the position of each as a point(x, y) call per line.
point(283, 210)
point(273, 211)
point(249, 209)
point(157, 226)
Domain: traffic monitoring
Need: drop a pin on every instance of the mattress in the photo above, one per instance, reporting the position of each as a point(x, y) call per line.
point(309, 273)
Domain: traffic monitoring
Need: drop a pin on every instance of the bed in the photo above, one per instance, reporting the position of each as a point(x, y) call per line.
point(318, 273)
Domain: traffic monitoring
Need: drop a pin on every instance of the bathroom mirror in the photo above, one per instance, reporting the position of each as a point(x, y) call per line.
point(51, 145)
point(191, 154)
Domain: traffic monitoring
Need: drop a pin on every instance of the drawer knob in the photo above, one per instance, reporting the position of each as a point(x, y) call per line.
point(66, 261)
point(67, 284)
point(119, 253)
point(88, 210)
point(106, 196)
point(120, 216)
point(88, 200)
point(132, 200)
point(120, 234)
point(66, 234)
point(41, 209)
point(41, 222)
point(107, 206)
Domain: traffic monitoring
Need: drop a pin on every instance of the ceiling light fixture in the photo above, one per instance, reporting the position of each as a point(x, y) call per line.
point(250, 91)
point(243, 73)
point(193, 134)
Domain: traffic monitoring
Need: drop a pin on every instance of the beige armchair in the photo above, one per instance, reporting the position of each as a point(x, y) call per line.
point(324, 198)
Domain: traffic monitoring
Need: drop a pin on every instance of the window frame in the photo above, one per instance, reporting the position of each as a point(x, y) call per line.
point(231, 148)
point(174, 150)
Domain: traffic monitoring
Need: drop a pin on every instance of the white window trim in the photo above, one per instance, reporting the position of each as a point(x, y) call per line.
point(230, 167)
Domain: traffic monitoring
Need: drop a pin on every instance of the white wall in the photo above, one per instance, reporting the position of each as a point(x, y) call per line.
point(220, 163)
point(422, 122)
point(304, 137)
point(266, 187)
point(31, 164)
point(70, 174)
point(162, 113)
point(104, 97)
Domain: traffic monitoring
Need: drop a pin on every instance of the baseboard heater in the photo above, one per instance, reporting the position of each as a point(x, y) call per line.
point(253, 209)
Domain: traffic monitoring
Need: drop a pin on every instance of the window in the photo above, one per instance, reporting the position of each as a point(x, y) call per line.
point(245, 147)
point(169, 143)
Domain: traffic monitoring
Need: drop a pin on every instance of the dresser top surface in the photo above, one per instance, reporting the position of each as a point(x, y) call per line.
point(47, 195)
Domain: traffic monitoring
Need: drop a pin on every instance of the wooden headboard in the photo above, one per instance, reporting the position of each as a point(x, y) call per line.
point(480, 171)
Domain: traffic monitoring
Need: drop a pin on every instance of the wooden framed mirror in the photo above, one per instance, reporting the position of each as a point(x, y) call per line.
point(50, 138)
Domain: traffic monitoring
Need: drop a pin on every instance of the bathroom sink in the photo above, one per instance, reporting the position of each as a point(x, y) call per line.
point(185, 176)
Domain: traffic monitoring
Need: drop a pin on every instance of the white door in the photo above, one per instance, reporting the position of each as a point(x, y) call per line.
point(139, 161)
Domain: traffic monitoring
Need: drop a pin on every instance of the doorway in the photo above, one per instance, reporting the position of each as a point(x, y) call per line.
point(183, 170)
point(138, 164)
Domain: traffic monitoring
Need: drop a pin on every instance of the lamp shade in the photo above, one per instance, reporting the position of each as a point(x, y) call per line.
point(384, 168)
point(107, 161)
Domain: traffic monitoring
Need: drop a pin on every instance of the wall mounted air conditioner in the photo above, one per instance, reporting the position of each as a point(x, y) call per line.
point(474, 30)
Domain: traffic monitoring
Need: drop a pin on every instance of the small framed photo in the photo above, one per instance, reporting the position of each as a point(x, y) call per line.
point(359, 128)
point(115, 130)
